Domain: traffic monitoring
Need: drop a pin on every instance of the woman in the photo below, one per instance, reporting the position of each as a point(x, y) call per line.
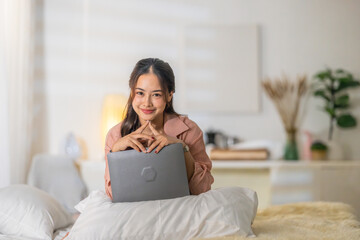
point(152, 122)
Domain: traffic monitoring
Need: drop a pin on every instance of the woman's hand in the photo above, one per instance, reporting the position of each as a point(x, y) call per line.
point(133, 140)
point(161, 140)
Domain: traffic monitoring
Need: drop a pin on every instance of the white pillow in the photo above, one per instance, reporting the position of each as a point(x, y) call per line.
point(220, 212)
point(58, 176)
point(29, 212)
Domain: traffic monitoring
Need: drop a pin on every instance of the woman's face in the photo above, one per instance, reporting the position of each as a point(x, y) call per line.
point(149, 99)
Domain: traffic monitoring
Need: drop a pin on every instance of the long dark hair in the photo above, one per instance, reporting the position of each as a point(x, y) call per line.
point(166, 77)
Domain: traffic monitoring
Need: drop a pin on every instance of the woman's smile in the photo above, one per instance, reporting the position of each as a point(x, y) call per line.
point(147, 111)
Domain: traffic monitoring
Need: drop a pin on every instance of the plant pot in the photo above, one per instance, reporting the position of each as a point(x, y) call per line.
point(318, 155)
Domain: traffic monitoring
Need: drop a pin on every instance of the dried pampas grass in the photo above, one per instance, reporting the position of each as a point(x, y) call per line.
point(287, 96)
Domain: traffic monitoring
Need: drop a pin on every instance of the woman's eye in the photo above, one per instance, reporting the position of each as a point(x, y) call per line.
point(139, 93)
point(157, 95)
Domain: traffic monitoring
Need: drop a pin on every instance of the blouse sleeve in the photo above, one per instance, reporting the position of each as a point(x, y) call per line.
point(108, 145)
point(202, 179)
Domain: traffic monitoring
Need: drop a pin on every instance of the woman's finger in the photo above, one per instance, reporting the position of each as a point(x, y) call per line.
point(155, 132)
point(141, 129)
point(161, 146)
point(133, 145)
point(153, 145)
point(142, 136)
point(138, 144)
point(149, 142)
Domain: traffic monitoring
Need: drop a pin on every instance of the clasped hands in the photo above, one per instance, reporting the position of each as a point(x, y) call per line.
point(137, 139)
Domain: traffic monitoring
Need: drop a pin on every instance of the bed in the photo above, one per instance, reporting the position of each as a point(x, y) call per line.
point(302, 221)
point(224, 207)
point(305, 221)
point(28, 213)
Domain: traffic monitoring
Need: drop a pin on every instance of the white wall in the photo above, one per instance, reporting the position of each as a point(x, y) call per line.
point(91, 46)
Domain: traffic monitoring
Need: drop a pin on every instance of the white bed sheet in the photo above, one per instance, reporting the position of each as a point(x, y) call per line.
point(58, 235)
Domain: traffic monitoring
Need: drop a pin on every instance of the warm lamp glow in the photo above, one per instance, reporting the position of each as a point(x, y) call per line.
point(113, 112)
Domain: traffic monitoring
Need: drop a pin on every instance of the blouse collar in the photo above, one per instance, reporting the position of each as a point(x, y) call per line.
point(174, 125)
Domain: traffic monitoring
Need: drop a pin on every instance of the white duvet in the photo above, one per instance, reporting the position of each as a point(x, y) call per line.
point(27, 213)
point(220, 212)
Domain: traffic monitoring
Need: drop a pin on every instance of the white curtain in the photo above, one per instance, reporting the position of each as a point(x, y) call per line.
point(17, 76)
point(4, 144)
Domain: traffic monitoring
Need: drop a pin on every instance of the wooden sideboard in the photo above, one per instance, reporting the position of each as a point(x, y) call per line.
point(279, 182)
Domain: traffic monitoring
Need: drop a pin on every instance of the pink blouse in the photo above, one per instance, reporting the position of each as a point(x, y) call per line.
point(182, 128)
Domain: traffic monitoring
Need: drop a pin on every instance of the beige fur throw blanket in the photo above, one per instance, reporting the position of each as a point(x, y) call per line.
point(305, 221)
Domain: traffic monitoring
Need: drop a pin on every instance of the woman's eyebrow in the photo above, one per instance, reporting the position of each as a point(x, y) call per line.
point(145, 91)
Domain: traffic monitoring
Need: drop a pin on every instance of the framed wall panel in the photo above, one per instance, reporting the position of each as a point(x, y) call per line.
point(220, 69)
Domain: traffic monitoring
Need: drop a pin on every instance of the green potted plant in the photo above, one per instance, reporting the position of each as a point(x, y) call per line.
point(332, 86)
point(318, 150)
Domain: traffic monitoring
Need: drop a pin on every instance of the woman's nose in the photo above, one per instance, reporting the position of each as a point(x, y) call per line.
point(147, 101)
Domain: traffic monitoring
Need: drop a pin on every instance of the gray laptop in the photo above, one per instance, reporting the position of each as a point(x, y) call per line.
point(137, 176)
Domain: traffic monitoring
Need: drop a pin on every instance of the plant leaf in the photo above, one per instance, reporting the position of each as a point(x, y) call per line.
point(339, 71)
point(321, 93)
point(342, 101)
point(323, 75)
point(346, 121)
point(345, 79)
point(344, 106)
point(331, 111)
point(349, 84)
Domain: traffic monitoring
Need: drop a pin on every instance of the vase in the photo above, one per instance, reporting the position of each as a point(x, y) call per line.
point(72, 147)
point(291, 150)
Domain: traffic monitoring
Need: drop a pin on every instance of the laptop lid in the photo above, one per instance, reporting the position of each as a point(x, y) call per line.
point(137, 176)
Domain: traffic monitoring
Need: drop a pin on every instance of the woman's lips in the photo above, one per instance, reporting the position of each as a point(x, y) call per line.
point(146, 111)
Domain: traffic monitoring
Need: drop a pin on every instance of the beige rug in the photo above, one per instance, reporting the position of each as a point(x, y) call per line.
point(305, 221)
